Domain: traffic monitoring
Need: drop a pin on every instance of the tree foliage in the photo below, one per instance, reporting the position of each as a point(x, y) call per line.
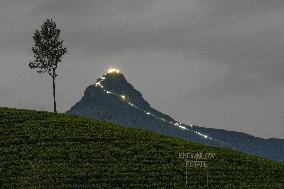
point(48, 49)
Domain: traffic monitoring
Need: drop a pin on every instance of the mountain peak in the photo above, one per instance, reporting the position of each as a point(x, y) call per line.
point(112, 91)
point(113, 82)
point(113, 77)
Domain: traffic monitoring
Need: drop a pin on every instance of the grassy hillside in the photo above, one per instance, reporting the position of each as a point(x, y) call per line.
point(41, 150)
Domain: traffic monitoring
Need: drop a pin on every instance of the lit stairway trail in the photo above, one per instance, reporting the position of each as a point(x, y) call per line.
point(99, 84)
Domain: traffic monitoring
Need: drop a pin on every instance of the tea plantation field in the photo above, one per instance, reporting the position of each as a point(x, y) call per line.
point(47, 150)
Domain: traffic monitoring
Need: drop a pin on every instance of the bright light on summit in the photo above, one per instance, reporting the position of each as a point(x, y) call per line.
point(113, 70)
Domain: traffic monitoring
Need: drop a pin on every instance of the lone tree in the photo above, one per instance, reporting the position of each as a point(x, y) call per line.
point(48, 51)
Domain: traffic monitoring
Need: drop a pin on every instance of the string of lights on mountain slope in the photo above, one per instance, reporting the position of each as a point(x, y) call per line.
point(123, 97)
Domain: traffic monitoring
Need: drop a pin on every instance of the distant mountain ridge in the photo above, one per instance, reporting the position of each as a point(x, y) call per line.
point(113, 96)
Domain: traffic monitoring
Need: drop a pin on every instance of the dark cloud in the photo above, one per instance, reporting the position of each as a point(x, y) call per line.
point(215, 61)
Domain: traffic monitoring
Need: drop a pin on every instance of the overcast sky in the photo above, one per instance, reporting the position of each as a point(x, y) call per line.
point(215, 63)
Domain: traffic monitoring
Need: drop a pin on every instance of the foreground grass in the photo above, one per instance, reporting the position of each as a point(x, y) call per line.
point(46, 150)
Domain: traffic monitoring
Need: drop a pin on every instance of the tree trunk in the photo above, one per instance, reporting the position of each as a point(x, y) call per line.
point(54, 100)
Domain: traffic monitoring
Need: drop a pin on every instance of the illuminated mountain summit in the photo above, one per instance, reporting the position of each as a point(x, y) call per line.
point(113, 98)
point(113, 94)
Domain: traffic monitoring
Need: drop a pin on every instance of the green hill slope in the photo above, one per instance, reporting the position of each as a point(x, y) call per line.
point(46, 150)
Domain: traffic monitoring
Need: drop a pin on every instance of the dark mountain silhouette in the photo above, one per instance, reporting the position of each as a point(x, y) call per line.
point(114, 99)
